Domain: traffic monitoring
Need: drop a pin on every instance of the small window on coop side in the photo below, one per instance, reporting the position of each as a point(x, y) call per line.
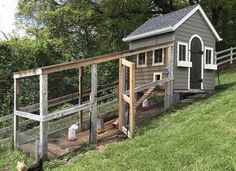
point(182, 52)
point(158, 57)
point(142, 59)
point(209, 55)
point(209, 59)
point(157, 76)
point(182, 55)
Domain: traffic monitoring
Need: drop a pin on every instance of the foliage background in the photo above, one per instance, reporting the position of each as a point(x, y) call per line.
point(58, 31)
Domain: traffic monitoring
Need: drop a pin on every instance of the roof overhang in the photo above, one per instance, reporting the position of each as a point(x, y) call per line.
point(173, 28)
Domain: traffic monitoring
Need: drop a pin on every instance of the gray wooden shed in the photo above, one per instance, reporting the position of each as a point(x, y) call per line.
point(194, 39)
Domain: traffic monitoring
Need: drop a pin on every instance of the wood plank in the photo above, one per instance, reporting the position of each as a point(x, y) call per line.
point(66, 112)
point(93, 60)
point(132, 99)
point(126, 62)
point(93, 99)
point(28, 115)
point(80, 96)
point(43, 133)
point(16, 105)
point(27, 73)
point(146, 94)
point(126, 98)
point(120, 92)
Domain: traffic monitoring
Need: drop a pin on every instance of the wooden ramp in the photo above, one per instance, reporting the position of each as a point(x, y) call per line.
point(146, 94)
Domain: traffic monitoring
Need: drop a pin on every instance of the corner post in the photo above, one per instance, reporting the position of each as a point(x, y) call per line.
point(43, 142)
point(169, 86)
point(121, 91)
point(16, 105)
point(93, 99)
point(81, 69)
point(231, 55)
point(132, 100)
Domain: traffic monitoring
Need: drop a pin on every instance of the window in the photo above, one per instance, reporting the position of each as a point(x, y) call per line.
point(157, 76)
point(142, 59)
point(158, 57)
point(209, 59)
point(209, 55)
point(182, 55)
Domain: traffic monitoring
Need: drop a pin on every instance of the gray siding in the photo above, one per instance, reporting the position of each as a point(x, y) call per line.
point(145, 74)
point(194, 25)
point(164, 38)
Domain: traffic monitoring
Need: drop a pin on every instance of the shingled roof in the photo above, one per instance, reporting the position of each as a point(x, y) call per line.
point(167, 23)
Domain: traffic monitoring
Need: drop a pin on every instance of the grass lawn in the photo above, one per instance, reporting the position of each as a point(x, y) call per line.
point(201, 136)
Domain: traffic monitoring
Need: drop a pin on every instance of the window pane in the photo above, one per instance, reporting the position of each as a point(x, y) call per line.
point(141, 59)
point(182, 53)
point(158, 77)
point(208, 56)
point(158, 56)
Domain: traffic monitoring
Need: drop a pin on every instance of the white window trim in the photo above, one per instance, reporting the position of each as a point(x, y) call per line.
point(144, 65)
point(210, 66)
point(157, 73)
point(153, 58)
point(186, 63)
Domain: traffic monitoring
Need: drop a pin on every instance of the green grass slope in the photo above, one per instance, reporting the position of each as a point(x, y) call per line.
point(202, 136)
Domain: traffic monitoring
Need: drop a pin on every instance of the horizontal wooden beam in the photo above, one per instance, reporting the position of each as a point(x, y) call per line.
point(66, 112)
point(91, 60)
point(126, 62)
point(28, 115)
point(151, 84)
point(27, 73)
point(126, 98)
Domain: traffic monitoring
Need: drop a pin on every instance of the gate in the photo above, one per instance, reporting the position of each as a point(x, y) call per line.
point(127, 97)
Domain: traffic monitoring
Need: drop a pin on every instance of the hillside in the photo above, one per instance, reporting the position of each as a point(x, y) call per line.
point(202, 136)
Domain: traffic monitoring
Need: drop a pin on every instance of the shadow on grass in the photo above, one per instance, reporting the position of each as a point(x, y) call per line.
point(224, 87)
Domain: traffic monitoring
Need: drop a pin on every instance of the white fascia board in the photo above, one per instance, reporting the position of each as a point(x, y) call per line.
point(151, 33)
point(198, 7)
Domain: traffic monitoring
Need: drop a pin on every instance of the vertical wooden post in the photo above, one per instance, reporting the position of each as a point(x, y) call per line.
point(169, 85)
point(93, 99)
point(16, 105)
point(43, 142)
point(132, 99)
point(80, 95)
point(231, 55)
point(121, 91)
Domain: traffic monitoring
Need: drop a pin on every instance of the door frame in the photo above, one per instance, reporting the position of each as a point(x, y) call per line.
point(202, 58)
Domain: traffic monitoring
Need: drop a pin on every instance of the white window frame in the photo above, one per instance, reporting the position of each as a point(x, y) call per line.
point(143, 65)
point(154, 76)
point(187, 62)
point(210, 66)
point(163, 57)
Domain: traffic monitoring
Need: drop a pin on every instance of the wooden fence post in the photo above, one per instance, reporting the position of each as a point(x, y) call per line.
point(132, 100)
point(93, 99)
point(80, 96)
point(43, 142)
point(169, 85)
point(121, 91)
point(16, 105)
point(231, 55)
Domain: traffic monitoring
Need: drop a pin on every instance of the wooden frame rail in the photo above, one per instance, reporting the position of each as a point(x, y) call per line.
point(129, 131)
point(87, 61)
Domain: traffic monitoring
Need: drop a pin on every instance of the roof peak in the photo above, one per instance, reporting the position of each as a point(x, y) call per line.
point(167, 23)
